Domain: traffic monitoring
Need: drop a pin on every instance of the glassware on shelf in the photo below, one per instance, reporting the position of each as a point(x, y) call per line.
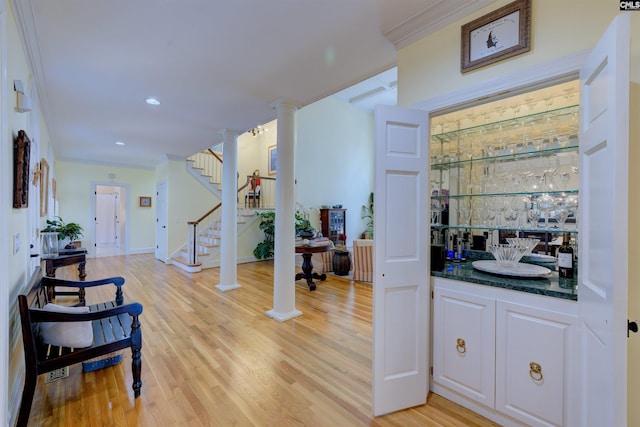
point(546, 203)
point(533, 214)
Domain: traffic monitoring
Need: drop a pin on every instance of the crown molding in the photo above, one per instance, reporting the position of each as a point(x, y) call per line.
point(431, 19)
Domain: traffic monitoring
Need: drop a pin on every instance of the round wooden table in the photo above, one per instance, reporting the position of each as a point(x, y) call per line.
point(307, 267)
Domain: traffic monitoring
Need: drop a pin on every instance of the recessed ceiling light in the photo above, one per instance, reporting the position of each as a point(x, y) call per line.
point(119, 143)
point(152, 101)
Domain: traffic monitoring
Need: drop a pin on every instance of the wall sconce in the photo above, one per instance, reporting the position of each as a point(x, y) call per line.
point(23, 102)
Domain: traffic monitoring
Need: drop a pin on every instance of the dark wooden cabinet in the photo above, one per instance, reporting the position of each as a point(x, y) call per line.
point(333, 222)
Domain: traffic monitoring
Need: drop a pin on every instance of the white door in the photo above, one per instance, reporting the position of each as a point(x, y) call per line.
point(602, 301)
point(161, 221)
point(401, 270)
point(106, 206)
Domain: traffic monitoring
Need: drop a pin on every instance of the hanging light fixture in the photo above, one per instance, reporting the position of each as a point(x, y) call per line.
point(258, 130)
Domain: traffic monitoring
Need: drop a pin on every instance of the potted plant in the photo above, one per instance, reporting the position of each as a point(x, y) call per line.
point(367, 215)
point(68, 233)
point(265, 249)
point(267, 224)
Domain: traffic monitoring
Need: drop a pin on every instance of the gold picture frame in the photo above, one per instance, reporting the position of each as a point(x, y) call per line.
point(272, 156)
point(498, 35)
point(44, 187)
point(144, 201)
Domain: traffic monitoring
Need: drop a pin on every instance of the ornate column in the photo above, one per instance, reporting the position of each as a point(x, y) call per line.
point(229, 235)
point(284, 260)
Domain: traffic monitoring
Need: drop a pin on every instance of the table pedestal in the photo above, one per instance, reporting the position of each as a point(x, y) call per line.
point(307, 272)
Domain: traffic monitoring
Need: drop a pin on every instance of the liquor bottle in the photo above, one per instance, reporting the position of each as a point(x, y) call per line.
point(565, 258)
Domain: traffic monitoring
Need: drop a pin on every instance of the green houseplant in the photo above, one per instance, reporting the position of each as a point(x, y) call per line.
point(265, 249)
point(367, 215)
point(267, 224)
point(71, 231)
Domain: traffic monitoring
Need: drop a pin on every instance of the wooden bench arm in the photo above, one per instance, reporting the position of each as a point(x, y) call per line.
point(39, 315)
point(117, 281)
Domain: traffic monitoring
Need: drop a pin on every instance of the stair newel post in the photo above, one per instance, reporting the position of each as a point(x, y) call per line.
point(192, 242)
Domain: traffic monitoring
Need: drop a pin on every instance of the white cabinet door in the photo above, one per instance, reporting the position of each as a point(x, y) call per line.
point(464, 344)
point(533, 364)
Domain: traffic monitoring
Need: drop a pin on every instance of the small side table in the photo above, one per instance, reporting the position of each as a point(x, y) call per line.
point(307, 266)
point(67, 257)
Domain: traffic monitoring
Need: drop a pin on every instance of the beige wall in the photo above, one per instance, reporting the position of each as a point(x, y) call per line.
point(19, 221)
point(75, 186)
point(431, 67)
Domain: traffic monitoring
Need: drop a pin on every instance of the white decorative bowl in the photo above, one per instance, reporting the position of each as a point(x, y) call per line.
point(529, 243)
point(507, 256)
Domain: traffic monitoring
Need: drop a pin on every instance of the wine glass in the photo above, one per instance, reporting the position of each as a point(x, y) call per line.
point(520, 205)
point(546, 203)
point(436, 208)
point(534, 214)
point(510, 217)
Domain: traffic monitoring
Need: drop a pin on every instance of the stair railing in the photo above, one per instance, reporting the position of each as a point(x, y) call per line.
point(245, 198)
point(209, 163)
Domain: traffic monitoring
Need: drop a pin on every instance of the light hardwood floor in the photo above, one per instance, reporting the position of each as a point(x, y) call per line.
point(215, 359)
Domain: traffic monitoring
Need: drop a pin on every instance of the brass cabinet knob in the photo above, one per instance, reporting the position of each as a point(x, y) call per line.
point(535, 371)
point(461, 346)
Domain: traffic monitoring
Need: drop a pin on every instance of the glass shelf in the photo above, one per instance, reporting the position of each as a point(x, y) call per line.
point(566, 114)
point(484, 168)
point(510, 194)
point(531, 153)
point(504, 228)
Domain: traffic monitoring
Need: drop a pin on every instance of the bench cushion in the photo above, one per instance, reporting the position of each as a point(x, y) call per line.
point(67, 334)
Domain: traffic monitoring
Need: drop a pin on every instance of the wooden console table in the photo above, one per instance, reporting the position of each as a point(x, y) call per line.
point(67, 257)
point(307, 266)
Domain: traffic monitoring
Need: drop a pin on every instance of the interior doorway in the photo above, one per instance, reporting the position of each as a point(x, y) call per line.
point(110, 220)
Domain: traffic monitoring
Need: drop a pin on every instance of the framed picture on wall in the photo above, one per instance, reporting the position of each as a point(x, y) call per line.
point(44, 187)
point(271, 158)
point(21, 152)
point(498, 35)
point(144, 201)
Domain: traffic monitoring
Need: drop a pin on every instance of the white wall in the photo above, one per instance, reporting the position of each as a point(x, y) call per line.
point(334, 160)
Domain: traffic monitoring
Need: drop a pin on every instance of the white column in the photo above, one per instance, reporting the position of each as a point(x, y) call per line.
point(284, 292)
point(229, 234)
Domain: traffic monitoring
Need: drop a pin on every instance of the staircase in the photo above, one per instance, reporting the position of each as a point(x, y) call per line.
point(202, 248)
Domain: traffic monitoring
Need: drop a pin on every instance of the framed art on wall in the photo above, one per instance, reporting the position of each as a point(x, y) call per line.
point(44, 187)
point(498, 35)
point(271, 158)
point(21, 152)
point(144, 201)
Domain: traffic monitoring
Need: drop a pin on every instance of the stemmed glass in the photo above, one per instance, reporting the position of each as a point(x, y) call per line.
point(546, 203)
point(510, 217)
point(499, 205)
point(520, 205)
point(464, 212)
point(436, 208)
point(571, 204)
point(534, 214)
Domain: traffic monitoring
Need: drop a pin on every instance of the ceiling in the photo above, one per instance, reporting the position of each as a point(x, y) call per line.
point(212, 64)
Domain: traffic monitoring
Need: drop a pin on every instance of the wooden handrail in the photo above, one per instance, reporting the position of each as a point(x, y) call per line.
point(214, 154)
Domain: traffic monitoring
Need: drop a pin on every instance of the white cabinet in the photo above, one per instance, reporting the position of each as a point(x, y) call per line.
point(464, 344)
point(507, 355)
point(533, 364)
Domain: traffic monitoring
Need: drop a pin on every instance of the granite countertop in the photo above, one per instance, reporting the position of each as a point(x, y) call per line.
point(551, 285)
